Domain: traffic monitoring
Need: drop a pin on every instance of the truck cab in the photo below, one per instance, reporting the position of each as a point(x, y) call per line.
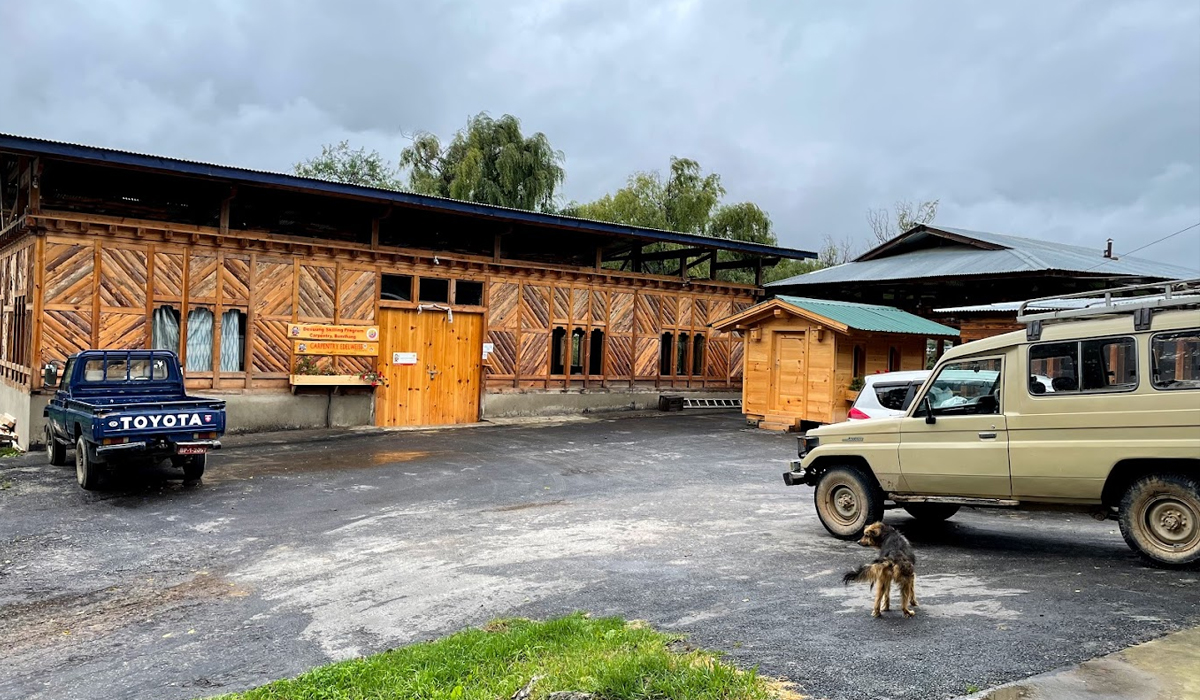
point(116, 406)
point(1117, 433)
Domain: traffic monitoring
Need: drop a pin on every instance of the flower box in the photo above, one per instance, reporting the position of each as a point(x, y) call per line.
point(851, 395)
point(333, 380)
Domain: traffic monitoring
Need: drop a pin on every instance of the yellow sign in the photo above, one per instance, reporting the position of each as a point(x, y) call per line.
point(336, 347)
point(325, 331)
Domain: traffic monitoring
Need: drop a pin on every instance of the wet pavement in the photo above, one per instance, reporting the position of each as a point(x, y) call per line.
point(293, 553)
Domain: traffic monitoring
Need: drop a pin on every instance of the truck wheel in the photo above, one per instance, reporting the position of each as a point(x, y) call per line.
point(87, 472)
point(1160, 519)
point(56, 452)
point(193, 467)
point(847, 501)
point(931, 512)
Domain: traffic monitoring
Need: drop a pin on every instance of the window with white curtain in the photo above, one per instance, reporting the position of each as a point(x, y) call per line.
point(164, 329)
point(233, 341)
point(200, 340)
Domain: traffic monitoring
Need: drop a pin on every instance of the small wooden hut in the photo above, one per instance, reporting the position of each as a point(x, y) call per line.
point(802, 355)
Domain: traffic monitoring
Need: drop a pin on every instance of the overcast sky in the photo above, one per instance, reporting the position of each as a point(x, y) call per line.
point(1072, 121)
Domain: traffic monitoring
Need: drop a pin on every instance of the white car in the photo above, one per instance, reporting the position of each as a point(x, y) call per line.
point(889, 393)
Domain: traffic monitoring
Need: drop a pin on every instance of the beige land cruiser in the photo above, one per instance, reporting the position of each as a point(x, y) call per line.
point(1117, 432)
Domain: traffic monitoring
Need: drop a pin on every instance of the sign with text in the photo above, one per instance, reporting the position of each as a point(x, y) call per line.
point(327, 331)
point(336, 347)
point(404, 358)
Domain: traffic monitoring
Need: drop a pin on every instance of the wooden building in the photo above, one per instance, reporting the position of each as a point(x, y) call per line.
point(280, 292)
point(803, 355)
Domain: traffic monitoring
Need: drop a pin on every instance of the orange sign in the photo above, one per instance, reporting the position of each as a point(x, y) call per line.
point(336, 347)
point(324, 331)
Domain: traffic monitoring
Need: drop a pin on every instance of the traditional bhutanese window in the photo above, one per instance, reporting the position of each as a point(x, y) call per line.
point(577, 351)
point(893, 360)
point(233, 341)
point(558, 350)
point(164, 329)
point(681, 363)
point(596, 353)
point(665, 354)
point(468, 293)
point(200, 340)
point(860, 361)
point(698, 355)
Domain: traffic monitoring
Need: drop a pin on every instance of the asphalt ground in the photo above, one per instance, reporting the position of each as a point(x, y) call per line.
point(294, 552)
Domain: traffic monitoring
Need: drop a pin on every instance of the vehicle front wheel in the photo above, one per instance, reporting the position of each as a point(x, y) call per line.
point(1160, 519)
point(847, 500)
point(193, 466)
point(56, 452)
point(87, 471)
point(931, 512)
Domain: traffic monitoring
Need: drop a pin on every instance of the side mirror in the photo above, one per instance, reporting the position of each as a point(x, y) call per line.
point(50, 375)
point(927, 406)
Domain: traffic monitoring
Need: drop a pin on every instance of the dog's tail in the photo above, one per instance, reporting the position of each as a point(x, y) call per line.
point(863, 573)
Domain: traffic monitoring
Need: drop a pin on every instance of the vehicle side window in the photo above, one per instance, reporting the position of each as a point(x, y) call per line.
point(1175, 359)
point(66, 374)
point(147, 370)
point(1072, 367)
point(93, 371)
point(891, 395)
point(116, 371)
point(965, 388)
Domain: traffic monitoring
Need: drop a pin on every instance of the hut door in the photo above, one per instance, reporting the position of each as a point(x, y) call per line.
point(433, 367)
point(789, 375)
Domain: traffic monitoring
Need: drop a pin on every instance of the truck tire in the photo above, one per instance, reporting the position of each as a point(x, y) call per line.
point(193, 467)
point(931, 512)
point(1160, 519)
point(87, 471)
point(847, 501)
point(56, 452)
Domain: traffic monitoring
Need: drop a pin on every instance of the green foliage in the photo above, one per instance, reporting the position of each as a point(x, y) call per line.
point(488, 161)
point(307, 365)
point(606, 657)
point(340, 164)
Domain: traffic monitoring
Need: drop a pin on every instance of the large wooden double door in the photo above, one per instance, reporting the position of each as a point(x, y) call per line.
point(433, 366)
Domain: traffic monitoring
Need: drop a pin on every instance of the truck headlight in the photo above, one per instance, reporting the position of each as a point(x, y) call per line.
point(808, 444)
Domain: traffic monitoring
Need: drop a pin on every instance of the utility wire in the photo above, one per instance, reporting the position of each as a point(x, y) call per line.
point(1122, 255)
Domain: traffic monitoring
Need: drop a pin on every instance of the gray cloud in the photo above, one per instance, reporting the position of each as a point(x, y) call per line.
point(1073, 121)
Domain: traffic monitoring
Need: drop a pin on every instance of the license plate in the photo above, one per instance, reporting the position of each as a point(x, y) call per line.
point(191, 450)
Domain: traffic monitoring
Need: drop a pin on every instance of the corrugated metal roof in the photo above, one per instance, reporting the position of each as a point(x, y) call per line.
point(1048, 305)
point(870, 317)
point(1019, 255)
point(114, 157)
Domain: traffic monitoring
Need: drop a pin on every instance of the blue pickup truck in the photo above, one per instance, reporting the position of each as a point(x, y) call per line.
point(119, 406)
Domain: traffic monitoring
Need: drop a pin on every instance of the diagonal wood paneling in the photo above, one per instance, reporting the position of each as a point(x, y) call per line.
point(504, 352)
point(620, 315)
point(646, 359)
point(620, 356)
point(316, 291)
point(123, 278)
point(562, 304)
point(685, 312)
point(669, 306)
point(64, 333)
point(202, 276)
point(646, 318)
point(272, 347)
point(535, 309)
point(235, 278)
point(356, 365)
point(737, 350)
point(168, 276)
point(535, 354)
point(580, 306)
point(119, 331)
point(719, 309)
point(273, 288)
point(718, 358)
point(69, 270)
point(599, 306)
point(700, 312)
point(356, 295)
point(502, 305)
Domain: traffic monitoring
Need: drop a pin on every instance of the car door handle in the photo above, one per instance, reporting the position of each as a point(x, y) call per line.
point(987, 436)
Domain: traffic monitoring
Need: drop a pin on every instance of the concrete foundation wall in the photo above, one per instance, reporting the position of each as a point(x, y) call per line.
point(550, 403)
point(249, 413)
point(17, 403)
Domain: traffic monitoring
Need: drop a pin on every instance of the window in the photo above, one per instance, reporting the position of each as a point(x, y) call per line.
point(1175, 360)
point(1070, 367)
point(596, 353)
point(577, 351)
point(965, 388)
point(558, 342)
point(893, 360)
point(433, 289)
point(698, 355)
point(468, 293)
point(93, 371)
point(233, 341)
point(200, 340)
point(859, 356)
point(164, 329)
point(116, 370)
point(681, 364)
point(145, 370)
point(892, 395)
point(664, 356)
point(396, 287)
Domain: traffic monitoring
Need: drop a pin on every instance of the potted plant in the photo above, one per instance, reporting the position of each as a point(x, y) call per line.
point(373, 377)
point(856, 386)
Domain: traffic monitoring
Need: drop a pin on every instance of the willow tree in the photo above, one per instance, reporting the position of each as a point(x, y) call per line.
point(340, 163)
point(488, 161)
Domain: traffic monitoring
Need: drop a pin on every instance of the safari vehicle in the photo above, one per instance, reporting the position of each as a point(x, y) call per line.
point(1117, 434)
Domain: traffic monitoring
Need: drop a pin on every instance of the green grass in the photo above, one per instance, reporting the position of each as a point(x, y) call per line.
point(10, 452)
point(608, 657)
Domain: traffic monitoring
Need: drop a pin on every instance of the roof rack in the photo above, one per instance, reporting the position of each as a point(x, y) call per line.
point(1140, 300)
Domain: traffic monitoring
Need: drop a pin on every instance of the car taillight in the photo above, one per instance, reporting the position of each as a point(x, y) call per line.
point(856, 414)
point(204, 436)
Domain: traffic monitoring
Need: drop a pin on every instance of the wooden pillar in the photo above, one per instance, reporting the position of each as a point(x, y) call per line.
point(599, 258)
point(637, 259)
point(496, 249)
point(225, 206)
point(758, 272)
point(683, 269)
point(712, 266)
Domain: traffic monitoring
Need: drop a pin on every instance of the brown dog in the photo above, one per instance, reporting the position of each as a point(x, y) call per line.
point(896, 562)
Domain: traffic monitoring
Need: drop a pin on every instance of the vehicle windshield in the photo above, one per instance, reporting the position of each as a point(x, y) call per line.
point(966, 388)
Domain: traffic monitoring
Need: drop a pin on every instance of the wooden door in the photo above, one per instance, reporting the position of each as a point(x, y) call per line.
point(789, 376)
point(440, 385)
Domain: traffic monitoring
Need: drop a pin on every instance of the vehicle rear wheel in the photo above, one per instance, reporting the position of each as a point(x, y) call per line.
point(931, 512)
point(847, 501)
point(87, 471)
point(56, 452)
point(1160, 519)
point(193, 466)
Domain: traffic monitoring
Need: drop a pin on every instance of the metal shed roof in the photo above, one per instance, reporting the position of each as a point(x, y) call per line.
point(107, 156)
point(974, 253)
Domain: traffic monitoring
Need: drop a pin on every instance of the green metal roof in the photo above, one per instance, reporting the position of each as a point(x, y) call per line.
point(869, 317)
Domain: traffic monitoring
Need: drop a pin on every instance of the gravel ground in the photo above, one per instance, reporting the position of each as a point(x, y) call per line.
point(295, 551)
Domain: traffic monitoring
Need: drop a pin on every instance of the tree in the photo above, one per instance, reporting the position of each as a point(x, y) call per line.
point(832, 252)
point(488, 161)
point(340, 164)
point(908, 215)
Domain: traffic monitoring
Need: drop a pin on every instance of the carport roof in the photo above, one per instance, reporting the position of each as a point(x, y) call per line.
point(842, 316)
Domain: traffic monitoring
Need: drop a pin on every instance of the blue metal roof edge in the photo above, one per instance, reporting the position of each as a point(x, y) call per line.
point(61, 149)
